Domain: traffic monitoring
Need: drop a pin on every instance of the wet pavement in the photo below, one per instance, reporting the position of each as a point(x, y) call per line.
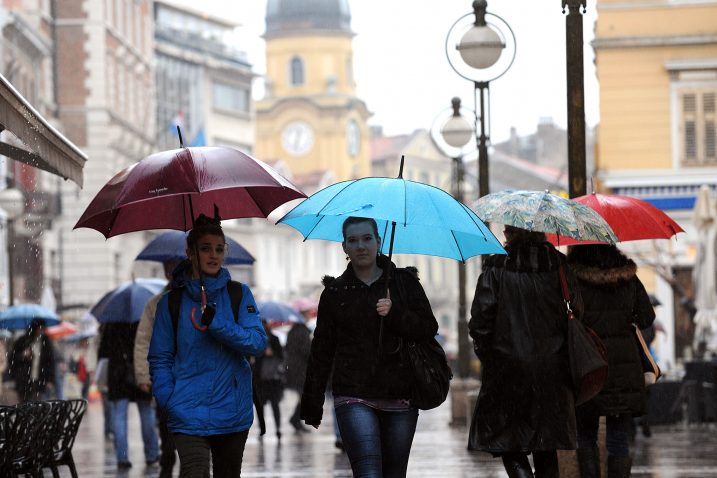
point(439, 450)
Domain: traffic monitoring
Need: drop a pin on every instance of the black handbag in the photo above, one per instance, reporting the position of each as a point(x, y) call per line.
point(430, 373)
point(587, 354)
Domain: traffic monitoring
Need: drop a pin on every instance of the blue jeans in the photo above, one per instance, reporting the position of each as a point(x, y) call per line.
point(616, 433)
point(149, 432)
point(377, 443)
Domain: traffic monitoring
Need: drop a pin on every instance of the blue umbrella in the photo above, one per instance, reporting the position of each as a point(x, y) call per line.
point(171, 245)
point(20, 316)
point(415, 217)
point(126, 302)
point(272, 311)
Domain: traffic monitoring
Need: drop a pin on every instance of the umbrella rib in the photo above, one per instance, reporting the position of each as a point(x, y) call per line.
point(350, 183)
point(315, 226)
point(463, 259)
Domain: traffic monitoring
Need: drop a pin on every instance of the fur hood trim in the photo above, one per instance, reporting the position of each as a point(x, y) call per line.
point(595, 275)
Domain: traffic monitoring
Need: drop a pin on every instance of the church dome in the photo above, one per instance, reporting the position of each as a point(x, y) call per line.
point(290, 16)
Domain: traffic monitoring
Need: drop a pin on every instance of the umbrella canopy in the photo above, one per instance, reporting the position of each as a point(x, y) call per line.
point(168, 190)
point(544, 212)
point(306, 304)
point(704, 274)
point(172, 245)
point(278, 313)
point(21, 316)
point(126, 302)
point(630, 218)
point(63, 329)
point(427, 220)
point(76, 337)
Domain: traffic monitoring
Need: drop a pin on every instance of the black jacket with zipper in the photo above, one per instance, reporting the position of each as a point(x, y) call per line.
point(346, 338)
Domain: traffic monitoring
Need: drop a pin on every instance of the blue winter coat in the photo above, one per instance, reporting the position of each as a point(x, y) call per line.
point(205, 384)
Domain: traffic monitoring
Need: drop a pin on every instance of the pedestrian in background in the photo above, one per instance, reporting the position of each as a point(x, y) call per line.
point(298, 348)
point(201, 376)
point(519, 329)
point(117, 346)
point(167, 456)
point(359, 333)
point(615, 300)
point(32, 363)
point(270, 369)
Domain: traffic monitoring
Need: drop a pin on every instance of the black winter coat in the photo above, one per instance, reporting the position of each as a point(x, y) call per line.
point(21, 365)
point(117, 345)
point(519, 326)
point(347, 338)
point(298, 347)
point(614, 300)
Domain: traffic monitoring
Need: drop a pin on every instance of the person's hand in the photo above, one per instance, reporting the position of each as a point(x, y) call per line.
point(145, 387)
point(383, 306)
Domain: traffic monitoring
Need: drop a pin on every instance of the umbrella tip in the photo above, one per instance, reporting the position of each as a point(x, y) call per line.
point(400, 169)
point(181, 141)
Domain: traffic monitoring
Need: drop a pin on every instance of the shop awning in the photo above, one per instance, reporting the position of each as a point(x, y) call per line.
point(46, 148)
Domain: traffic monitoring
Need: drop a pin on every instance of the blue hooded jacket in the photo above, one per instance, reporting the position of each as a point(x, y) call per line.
point(205, 384)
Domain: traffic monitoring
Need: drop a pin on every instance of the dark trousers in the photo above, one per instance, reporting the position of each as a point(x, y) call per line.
point(617, 433)
point(167, 458)
point(226, 452)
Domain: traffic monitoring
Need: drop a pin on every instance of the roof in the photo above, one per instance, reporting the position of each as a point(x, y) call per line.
point(286, 17)
point(47, 149)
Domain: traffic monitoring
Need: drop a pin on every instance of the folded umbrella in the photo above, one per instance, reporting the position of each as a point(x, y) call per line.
point(172, 246)
point(126, 302)
point(20, 316)
point(630, 218)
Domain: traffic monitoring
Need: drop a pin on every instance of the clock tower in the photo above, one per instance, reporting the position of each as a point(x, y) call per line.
point(310, 117)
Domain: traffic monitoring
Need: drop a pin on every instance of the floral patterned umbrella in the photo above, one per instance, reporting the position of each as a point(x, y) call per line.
point(544, 212)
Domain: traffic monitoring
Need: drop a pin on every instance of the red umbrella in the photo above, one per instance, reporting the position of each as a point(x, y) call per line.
point(168, 190)
point(630, 218)
point(62, 330)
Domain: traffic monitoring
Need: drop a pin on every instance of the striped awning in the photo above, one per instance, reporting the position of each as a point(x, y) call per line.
point(46, 148)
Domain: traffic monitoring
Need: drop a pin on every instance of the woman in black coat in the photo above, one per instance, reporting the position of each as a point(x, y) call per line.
point(32, 371)
point(269, 374)
point(370, 383)
point(614, 299)
point(519, 328)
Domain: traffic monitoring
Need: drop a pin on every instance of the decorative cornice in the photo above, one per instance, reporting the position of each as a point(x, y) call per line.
point(653, 41)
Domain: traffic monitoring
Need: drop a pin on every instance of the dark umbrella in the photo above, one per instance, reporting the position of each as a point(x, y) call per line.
point(172, 245)
point(170, 189)
point(126, 302)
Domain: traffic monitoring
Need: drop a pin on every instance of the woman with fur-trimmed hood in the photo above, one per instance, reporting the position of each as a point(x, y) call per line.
point(614, 300)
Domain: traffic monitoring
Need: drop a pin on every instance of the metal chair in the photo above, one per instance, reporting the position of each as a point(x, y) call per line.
point(11, 419)
point(64, 439)
point(32, 430)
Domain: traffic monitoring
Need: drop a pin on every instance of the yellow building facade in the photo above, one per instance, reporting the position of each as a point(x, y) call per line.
point(657, 69)
point(311, 117)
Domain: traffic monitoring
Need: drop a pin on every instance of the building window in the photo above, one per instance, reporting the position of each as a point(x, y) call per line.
point(231, 98)
point(698, 136)
point(297, 71)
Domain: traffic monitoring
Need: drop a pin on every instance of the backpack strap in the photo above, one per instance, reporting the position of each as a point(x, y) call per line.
point(236, 294)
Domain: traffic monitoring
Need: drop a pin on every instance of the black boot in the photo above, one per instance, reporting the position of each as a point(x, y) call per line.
point(589, 462)
point(517, 465)
point(546, 464)
point(618, 466)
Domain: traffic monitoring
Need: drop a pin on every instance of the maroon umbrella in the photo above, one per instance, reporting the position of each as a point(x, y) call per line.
point(168, 190)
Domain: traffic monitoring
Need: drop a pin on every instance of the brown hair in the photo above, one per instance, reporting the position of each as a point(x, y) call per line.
point(204, 226)
point(358, 220)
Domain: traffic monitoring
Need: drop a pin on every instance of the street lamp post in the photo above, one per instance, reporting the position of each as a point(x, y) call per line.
point(456, 133)
point(576, 97)
point(484, 52)
point(12, 201)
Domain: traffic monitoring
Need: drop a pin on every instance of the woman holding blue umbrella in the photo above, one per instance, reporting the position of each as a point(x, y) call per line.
point(370, 386)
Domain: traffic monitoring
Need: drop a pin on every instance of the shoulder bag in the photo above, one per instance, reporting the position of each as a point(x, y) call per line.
point(587, 354)
point(650, 368)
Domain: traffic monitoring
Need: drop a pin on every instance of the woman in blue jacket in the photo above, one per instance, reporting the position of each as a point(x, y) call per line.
point(200, 372)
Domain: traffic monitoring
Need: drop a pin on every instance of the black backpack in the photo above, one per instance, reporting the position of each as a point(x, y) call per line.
point(236, 294)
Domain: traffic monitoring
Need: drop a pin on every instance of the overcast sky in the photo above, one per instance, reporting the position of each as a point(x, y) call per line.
point(401, 68)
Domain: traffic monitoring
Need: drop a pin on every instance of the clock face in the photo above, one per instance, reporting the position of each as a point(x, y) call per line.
point(353, 138)
point(297, 138)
